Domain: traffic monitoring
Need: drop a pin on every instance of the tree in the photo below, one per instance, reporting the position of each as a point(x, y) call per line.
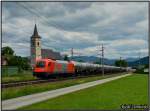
point(97, 62)
point(121, 63)
point(146, 66)
point(7, 51)
point(19, 61)
point(80, 60)
point(13, 60)
point(25, 63)
point(66, 57)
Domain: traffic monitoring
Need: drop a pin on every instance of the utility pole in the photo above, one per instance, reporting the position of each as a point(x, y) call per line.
point(120, 63)
point(102, 58)
point(139, 58)
point(71, 53)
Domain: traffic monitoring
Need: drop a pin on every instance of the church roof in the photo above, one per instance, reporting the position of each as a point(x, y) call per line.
point(35, 33)
point(49, 53)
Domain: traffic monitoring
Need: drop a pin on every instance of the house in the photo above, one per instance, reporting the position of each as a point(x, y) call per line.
point(4, 61)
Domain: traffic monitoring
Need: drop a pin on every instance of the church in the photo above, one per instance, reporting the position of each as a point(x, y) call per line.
point(36, 52)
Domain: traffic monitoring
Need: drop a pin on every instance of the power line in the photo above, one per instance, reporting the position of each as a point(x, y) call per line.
point(36, 13)
point(75, 52)
point(43, 18)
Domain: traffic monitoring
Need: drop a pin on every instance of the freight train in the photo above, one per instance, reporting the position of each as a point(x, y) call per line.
point(49, 67)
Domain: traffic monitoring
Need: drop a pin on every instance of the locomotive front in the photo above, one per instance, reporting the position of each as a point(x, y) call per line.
point(41, 68)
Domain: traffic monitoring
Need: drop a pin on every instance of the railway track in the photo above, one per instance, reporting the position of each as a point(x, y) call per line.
point(22, 83)
point(38, 81)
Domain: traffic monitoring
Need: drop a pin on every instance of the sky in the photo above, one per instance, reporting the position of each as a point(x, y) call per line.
point(122, 27)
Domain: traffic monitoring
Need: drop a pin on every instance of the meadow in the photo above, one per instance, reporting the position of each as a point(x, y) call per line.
point(128, 90)
point(37, 88)
point(19, 76)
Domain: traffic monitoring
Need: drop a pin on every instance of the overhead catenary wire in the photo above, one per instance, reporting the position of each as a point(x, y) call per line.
point(36, 13)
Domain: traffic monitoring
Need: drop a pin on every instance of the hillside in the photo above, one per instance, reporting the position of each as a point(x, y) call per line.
point(93, 59)
point(142, 61)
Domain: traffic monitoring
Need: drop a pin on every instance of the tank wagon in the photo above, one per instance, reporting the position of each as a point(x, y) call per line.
point(49, 67)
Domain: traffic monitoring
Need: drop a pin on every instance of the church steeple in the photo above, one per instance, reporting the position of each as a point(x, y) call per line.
point(35, 46)
point(35, 33)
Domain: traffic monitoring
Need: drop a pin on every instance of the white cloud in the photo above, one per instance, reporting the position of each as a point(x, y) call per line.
point(21, 49)
point(122, 27)
point(128, 42)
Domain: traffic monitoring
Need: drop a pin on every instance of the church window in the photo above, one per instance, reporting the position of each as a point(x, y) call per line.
point(37, 43)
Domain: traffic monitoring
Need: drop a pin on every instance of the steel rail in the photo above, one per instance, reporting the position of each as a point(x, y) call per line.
point(38, 81)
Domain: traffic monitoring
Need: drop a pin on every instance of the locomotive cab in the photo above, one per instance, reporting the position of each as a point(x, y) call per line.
point(42, 68)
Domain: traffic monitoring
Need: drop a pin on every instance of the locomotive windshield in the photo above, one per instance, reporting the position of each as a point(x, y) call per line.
point(40, 64)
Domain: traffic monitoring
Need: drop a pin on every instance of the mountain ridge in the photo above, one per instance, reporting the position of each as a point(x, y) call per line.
point(93, 59)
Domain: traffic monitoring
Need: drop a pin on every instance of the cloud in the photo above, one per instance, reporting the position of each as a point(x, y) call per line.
point(121, 27)
point(23, 48)
point(115, 49)
point(74, 6)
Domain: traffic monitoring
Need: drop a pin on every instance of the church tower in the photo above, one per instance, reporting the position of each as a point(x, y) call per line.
point(35, 46)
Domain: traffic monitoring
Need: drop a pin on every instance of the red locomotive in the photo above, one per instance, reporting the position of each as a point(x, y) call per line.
point(49, 67)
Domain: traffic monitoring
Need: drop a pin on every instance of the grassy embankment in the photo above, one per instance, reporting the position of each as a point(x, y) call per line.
point(128, 90)
point(25, 75)
point(36, 88)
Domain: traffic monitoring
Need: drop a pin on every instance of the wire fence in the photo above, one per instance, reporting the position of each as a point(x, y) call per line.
point(10, 70)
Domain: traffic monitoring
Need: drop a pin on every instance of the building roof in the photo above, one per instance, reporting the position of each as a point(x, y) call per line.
point(48, 53)
point(35, 33)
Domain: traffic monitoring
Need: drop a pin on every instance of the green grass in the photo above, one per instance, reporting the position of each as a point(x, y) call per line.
point(36, 88)
point(25, 75)
point(128, 90)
